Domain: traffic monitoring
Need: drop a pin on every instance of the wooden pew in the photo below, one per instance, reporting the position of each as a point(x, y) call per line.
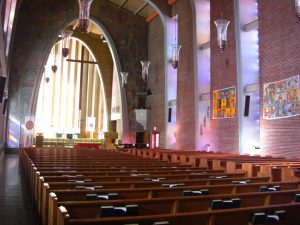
point(59, 158)
point(34, 174)
point(115, 171)
point(57, 196)
point(91, 209)
point(38, 195)
point(139, 180)
point(161, 192)
point(217, 161)
point(133, 180)
point(142, 184)
point(241, 216)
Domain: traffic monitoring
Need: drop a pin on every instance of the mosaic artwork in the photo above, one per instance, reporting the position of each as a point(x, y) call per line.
point(281, 98)
point(224, 103)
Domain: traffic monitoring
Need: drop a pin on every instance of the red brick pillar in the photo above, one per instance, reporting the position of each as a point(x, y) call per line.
point(186, 79)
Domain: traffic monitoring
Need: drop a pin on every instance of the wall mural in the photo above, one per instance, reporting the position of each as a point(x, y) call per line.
point(224, 103)
point(281, 98)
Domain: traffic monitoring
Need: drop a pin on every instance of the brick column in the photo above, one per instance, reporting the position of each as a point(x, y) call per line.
point(186, 83)
point(224, 132)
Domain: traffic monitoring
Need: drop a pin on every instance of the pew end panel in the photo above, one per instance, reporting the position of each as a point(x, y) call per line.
point(288, 174)
point(44, 203)
point(52, 209)
point(62, 216)
point(231, 167)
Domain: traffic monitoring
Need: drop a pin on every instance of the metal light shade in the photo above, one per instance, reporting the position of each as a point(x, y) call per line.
point(54, 68)
point(145, 69)
point(297, 8)
point(222, 33)
point(66, 35)
point(175, 55)
point(54, 54)
point(124, 76)
point(84, 14)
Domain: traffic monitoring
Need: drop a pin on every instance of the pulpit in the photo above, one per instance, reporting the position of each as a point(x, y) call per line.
point(39, 140)
point(109, 139)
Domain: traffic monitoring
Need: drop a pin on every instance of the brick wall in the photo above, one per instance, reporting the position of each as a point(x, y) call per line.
point(185, 127)
point(157, 78)
point(279, 30)
point(224, 132)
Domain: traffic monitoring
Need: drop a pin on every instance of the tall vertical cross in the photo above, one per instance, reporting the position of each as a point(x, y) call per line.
point(82, 62)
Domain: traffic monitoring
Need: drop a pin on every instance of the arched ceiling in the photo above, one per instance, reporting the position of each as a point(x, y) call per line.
point(137, 7)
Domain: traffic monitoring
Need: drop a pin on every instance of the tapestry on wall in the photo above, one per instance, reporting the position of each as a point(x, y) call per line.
point(281, 98)
point(224, 103)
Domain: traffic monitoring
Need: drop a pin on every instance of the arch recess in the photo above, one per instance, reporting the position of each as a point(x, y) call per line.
point(116, 61)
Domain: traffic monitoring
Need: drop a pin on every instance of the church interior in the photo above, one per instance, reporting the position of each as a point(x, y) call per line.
point(149, 112)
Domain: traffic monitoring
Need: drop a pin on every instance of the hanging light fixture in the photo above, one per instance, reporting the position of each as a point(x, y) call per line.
point(46, 72)
point(66, 36)
point(124, 76)
point(54, 68)
point(84, 14)
point(175, 48)
point(222, 25)
point(54, 55)
point(297, 8)
point(144, 92)
point(175, 55)
point(145, 69)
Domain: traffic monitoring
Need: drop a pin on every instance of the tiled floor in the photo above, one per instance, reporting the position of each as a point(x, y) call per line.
point(15, 207)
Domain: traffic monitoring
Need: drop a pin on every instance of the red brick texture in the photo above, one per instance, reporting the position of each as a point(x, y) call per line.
point(185, 127)
point(224, 132)
point(156, 80)
point(279, 30)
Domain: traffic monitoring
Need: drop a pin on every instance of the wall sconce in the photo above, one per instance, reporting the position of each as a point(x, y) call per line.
point(222, 33)
point(47, 79)
point(66, 36)
point(124, 76)
point(297, 8)
point(84, 14)
point(175, 55)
